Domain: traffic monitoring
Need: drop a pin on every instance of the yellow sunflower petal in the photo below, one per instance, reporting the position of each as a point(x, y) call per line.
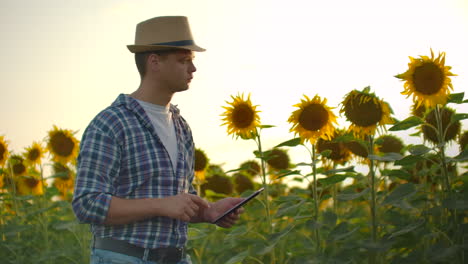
point(427, 80)
point(313, 120)
point(241, 117)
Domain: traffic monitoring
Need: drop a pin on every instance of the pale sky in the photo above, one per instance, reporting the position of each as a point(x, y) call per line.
point(64, 61)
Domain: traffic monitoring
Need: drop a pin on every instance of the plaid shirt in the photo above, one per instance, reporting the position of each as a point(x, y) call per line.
point(121, 155)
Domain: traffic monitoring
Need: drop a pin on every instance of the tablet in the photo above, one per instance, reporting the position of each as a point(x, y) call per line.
point(238, 205)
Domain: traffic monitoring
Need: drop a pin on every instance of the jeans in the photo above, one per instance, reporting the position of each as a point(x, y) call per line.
point(100, 256)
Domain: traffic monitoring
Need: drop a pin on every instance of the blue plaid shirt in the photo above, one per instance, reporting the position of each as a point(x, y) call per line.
point(121, 155)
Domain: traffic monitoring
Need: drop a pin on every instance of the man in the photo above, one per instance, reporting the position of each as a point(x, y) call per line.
point(136, 162)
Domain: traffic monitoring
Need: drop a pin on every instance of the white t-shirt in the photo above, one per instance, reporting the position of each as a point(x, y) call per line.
point(161, 118)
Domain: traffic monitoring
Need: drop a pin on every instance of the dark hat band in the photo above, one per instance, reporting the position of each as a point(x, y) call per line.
point(176, 43)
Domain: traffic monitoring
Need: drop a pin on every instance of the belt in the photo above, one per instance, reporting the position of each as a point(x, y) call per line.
point(165, 255)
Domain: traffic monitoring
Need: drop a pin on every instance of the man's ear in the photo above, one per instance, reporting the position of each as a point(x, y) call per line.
point(153, 62)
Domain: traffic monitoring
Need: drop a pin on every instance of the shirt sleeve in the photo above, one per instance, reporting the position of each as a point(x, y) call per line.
point(98, 165)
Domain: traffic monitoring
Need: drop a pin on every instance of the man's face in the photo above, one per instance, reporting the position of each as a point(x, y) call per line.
point(176, 70)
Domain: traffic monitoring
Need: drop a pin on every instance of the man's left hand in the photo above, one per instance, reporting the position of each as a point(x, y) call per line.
point(219, 207)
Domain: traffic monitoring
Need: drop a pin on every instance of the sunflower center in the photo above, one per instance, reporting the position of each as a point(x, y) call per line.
point(242, 116)
point(2, 151)
point(19, 169)
point(33, 154)
point(313, 117)
point(31, 182)
point(200, 161)
point(428, 78)
point(62, 145)
point(363, 113)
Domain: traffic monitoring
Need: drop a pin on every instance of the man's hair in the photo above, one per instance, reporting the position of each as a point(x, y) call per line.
point(142, 57)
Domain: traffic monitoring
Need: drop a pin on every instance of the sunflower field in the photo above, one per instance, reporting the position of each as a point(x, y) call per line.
point(411, 206)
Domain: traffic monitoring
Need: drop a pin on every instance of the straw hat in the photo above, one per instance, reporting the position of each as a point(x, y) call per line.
point(161, 33)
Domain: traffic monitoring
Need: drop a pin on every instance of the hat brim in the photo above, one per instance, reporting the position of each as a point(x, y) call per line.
point(145, 48)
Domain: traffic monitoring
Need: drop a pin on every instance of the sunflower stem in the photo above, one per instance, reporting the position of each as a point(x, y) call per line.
point(266, 192)
point(373, 206)
point(315, 196)
point(45, 220)
point(441, 147)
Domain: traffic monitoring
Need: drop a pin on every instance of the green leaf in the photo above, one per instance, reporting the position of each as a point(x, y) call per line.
point(409, 160)
point(351, 196)
point(458, 117)
point(274, 238)
point(401, 192)
point(64, 225)
point(409, 122)
point(418, 150)
point(288, 209)
point(407, 229)
point(401, 174)
point(329, 218)
point(463, 156)
point(334, 171)
point(386, 157)
point(238, 258)
point(236, 232)
point(195, 233)
point(285, 173)
point(340, 232)
point(290, 143)
point(332, 180)
point(266, 126)
point(453, 203)
point(456, 98)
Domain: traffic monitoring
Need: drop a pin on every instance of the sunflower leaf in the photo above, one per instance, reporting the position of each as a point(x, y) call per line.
point(418, 150)
point(409, 122)
point(401, 192)
point(266, 126)
point(331, 180)
point(456, 98)
point(285, 173)
point(290, 143)
point(334, 171)
point(409, 160)
point(458, 117)
point(392, 156)
point(351, 196)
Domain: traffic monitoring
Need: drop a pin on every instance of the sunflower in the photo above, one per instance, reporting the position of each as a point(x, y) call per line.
point(3, 151)
point(450, 129)
point(278, 159)
point(389, 144)
point(427, 80)
point(241, 117)
point(18, 165)
point(463, 140)
point(358, 148)
point(366, 112)
point(419, 110)
point(339, 153)
point(64, 178)
point(218, 184)
point(201, 163)
point(62, 145)
point(242, 183)
point(34, 153)
point(30, 185)
point(313, 120)
point(252, 168)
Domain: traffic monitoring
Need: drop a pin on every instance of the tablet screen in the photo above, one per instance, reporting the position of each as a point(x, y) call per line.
point(238, 205)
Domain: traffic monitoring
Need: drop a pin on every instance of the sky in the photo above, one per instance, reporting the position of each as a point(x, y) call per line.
point(64, 61)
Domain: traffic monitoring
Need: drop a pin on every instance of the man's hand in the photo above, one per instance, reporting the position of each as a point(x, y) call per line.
point(219, 207)
point(183, 206)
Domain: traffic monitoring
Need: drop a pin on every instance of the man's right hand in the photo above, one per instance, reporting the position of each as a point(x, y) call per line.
point(183, 206)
